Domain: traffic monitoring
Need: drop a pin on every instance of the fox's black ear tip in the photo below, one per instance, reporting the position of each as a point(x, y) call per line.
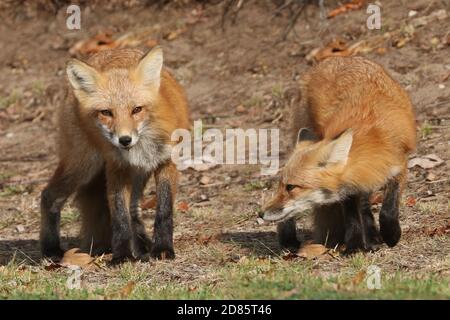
point(305, 134)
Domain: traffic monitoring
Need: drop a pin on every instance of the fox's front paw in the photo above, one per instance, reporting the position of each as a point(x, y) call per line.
point(116, 260)
point(162, 252)
point(291, 246)
point(390, 231)
point(53, 253)
point(353, 240)
point(356, 243)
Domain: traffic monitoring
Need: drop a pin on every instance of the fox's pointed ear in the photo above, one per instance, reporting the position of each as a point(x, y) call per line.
point(341, 146)
point(82, 76)
point(304, 134)
point(149, 68)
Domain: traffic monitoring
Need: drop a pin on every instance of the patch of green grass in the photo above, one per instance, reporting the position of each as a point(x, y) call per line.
point(426, 130)
point(254, 101)
point(275, 279)
point(69, 215)
point(6, 175)
point(429, 208)
point(257, 185)
point(38, 88)
point(251, 278)
point(10, 99)
point(10, 190)
point(278, 91)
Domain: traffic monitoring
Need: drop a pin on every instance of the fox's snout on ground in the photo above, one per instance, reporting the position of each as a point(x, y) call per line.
point(311, 175)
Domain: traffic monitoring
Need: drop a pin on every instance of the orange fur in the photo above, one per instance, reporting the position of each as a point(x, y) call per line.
point(115, 93)
point(364, 129)
point(356, 93)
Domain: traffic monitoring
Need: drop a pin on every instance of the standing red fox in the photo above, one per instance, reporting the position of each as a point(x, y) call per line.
point(113, 135)
point(361, 129)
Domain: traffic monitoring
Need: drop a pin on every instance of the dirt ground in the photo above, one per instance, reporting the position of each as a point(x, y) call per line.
point(241, 75)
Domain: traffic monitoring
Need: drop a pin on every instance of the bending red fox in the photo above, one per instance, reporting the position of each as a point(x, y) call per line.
point(361, 129)
point(113, 135)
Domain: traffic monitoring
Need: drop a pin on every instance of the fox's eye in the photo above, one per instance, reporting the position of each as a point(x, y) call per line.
point(136, 110)
point(290, 187)
point(106, 113)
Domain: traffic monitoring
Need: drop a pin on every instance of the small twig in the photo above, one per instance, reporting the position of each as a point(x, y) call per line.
point(38, 157)
point(226, 10)
point(34, 181)
point(282, 7)
point(445, 77)
point(217, 184)
point(437, 181)
point(273, 252)
point(27, 256)
point(292, 23)
point(439, 127)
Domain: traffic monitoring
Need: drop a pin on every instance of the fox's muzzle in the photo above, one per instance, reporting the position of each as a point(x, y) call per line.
point(275, 215)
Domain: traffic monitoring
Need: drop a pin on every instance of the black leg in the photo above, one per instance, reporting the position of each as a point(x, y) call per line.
point(370, 228)
point(121, 231)
point(163, 228)
point(166, 181)
point(329, 225)
point(95, 231)
point(354, 229)
point(389, 225)
point(53, 197)
point(287, 235)
point(142, 242)
point(119, 189)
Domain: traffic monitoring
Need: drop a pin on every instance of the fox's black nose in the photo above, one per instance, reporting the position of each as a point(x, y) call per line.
point(125, 140)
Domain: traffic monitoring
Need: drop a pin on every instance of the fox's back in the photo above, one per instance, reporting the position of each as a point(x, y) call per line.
point(356, 93)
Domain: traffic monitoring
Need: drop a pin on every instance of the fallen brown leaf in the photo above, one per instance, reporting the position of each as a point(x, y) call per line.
point(439, 231)
point(290, 256)
point(352, 5)
point(74, 257)
point(53, 266)
point(183, 206)
point(335, 48)
point(204, 180)
point(411, 201)
point(127, 289)
point(103, 41)
point(377, 198)
point(426, 162)
point(359, 277)
point(311, 251)
point(447, 76)
point(149, 203)
point(431, 176)
point(241, 109)
point(99, 42)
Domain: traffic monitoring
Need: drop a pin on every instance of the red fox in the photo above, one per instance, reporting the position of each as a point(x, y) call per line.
point(114, 134)
point(361, 127)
